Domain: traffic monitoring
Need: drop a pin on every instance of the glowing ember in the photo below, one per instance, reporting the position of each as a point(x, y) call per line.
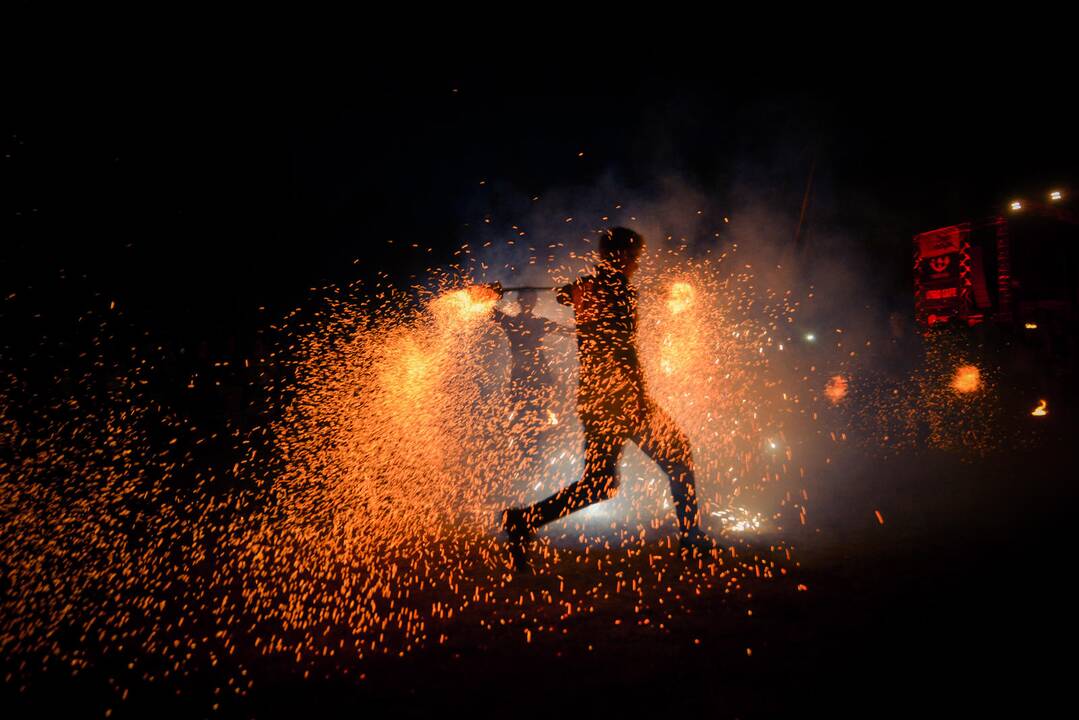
point(1042, 410)
point(836, 389)
point(967, 379)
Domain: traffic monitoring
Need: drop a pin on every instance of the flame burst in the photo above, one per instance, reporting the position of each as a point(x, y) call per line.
point(680, 298)
point(967, 379)
point(836, 389)
point(681, 342)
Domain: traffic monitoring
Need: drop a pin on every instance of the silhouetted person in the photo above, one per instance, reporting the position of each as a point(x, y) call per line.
point(530, 371)
point(613, 403)
point(533, 395)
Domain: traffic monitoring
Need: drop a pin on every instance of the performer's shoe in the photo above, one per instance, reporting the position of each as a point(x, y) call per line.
point(518, 533)
point(697, 540)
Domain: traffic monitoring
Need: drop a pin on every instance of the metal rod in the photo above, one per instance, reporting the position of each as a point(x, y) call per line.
point(805, 201)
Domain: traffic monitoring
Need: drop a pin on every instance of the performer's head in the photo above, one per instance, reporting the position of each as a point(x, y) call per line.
point(527, 300)
point(621, 248)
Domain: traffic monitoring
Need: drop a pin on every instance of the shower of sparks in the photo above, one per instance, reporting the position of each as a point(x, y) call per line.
point(935, 403)
point(361, 518)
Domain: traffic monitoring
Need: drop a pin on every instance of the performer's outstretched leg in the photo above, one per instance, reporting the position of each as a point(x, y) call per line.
point(660, 438)
point(598, 482)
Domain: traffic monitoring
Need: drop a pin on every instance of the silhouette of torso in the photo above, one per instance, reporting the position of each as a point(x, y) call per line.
point(611, 380)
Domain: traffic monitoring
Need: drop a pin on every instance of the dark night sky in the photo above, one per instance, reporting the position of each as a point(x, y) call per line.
point(195, 192)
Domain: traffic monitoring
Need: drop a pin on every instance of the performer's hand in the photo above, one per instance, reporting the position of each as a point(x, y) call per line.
point(564, 294)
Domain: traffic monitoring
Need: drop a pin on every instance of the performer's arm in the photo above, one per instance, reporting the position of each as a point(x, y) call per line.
point(564, 294)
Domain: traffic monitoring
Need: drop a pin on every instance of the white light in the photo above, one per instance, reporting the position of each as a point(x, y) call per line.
point(810, 337)
point(1016, 205)
point(1055, 195)
point(740, 520)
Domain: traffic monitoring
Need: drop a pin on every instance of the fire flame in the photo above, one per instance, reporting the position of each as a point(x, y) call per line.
point(681, 297)
point(968, 379)
point(467, 303)
point(681, 342)
point(836, 389)
point(1042, 410)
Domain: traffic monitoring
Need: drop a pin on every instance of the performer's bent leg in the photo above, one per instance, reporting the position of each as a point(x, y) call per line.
point(663, 441)
point(599, 481)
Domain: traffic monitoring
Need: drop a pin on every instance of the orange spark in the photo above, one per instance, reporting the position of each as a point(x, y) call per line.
point(1042, 410)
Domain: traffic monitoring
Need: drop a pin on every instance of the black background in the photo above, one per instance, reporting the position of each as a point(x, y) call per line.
point(194, 187)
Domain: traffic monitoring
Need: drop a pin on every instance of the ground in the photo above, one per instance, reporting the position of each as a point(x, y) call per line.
point(958, 602)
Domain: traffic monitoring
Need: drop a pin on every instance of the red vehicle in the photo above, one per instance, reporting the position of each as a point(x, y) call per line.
point(1017, 269)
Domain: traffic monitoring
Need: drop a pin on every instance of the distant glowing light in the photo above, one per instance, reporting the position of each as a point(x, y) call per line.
point(1030, 326)
point(1055, 195)
point(1016, 205)
point(810, 337)
point(967, 379)
point(1042, 410)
